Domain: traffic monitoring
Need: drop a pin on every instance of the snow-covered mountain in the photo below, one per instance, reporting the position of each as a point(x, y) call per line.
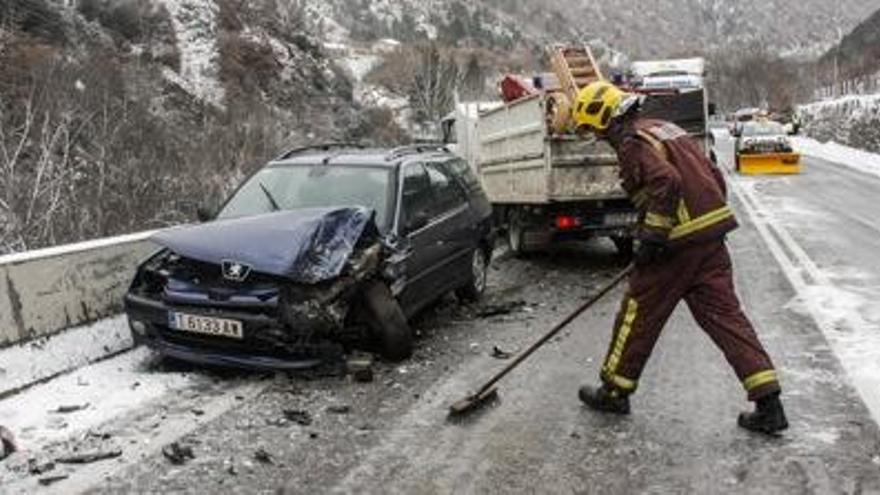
point(655, 28)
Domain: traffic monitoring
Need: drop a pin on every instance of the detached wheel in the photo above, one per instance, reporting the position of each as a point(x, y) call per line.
point(388, 323)
point(479, 271)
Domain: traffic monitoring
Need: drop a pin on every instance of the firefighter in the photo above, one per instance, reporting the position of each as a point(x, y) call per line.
point(681, 255)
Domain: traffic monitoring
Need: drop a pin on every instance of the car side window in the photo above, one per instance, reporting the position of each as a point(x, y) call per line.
point(416, 194)
point(447, 191)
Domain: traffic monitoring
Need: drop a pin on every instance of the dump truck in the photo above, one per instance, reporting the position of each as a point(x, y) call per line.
point(546, 184)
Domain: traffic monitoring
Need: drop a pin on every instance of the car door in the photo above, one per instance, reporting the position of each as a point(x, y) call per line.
point(424, 243)
point(428, 216)
point(454, 219)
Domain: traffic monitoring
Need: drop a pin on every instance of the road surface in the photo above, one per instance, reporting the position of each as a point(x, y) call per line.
point(809, 297)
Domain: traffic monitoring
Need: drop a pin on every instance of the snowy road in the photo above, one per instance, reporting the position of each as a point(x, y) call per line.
point(807, 278)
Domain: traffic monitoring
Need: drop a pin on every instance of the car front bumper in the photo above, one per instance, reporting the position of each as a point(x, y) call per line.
point(266, 344)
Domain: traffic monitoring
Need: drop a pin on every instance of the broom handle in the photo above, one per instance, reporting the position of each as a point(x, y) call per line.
point(556, 329)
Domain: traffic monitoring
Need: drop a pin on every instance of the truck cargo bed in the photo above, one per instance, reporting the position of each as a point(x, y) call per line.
point(521, 163)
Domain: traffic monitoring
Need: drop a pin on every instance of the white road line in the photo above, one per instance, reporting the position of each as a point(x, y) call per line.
point(858, 351)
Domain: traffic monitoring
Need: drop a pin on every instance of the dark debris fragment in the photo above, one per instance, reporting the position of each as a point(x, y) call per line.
point(505, 308)
point(298, 416)
point(498, 353)
point(48, 480)
point(261, 455)
point(178, 454)
point(69, 408)
point(36, 467)
point(89, 457)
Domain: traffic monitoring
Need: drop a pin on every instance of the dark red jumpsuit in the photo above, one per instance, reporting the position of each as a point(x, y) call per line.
point(682, 196)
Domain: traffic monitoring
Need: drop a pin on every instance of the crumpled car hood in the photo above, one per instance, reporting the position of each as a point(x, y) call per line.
point(306, 246)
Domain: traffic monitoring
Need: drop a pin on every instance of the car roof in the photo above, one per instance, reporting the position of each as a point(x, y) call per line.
point(370, 157)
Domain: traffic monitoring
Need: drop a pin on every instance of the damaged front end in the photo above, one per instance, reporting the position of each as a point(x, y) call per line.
point(198, 305)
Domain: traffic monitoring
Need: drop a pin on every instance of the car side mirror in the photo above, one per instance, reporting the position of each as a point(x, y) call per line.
point(416, 222)
point(204, 213)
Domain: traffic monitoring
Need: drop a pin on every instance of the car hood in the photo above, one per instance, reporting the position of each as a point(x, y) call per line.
point(305, 246)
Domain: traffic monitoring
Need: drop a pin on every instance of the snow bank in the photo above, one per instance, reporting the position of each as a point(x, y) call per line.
point(851, 120)
point(857, 159)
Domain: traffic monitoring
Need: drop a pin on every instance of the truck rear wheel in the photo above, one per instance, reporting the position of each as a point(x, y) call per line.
point(523, 240)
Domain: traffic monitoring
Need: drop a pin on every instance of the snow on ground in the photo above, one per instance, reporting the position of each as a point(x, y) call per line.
point(847, 156)
point(843, 309)
point(195, 28)
point(107, 389)
point(24, 364)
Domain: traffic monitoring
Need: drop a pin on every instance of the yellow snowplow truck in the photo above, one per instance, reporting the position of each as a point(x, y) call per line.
point(762, 147)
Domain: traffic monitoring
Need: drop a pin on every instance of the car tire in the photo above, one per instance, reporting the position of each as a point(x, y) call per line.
point(476, 284)
point(388, 323)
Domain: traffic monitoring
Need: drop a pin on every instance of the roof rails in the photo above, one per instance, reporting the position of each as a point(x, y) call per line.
point(412, 149)
point(318, 147)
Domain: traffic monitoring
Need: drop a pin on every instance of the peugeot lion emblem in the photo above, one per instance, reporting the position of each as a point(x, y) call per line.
point(235, 271)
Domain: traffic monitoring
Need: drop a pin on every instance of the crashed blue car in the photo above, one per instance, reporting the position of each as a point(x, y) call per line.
point(322, 250)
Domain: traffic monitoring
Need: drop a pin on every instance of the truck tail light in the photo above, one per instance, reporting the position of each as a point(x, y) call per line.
point(567, 222)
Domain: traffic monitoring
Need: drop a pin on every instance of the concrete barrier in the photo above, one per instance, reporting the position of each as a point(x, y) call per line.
point(46, 291)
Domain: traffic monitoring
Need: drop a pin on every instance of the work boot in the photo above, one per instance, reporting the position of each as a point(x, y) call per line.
point(604, 399)
point(768, 416)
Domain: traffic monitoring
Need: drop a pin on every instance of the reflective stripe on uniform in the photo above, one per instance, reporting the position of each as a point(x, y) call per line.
point(682, 212)
point(758, 379)
point(632, 308)
point(658, 221)
point(701, 222)
point(620, 382)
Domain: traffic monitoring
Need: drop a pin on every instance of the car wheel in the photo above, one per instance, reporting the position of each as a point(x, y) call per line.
point(388, 323)
point(476, 284)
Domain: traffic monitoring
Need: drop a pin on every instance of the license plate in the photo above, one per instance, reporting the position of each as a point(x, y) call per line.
point(206, 325)
point(619, 219)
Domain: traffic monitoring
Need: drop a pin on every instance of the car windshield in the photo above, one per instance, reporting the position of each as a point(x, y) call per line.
point(763, 129)
point(304, 186)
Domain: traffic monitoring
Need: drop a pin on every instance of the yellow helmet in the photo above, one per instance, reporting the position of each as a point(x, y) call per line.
point(596, 104)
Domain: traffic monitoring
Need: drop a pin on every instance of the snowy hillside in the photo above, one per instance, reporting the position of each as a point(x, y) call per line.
point(850, 120)
point(666, 27)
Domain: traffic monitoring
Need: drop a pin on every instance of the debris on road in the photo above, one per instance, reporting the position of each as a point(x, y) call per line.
point(300, 417)
point(505, 308)
point(36, 467)
point(360, 368)
point(66, 409)
point(178, 454)
point(48, 480)
point(262, 456)
point(7, 443)
point(498, 353)
point(89, 457)
point(339, 409)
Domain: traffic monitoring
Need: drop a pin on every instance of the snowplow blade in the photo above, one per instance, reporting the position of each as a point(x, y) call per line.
point(769, 163)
